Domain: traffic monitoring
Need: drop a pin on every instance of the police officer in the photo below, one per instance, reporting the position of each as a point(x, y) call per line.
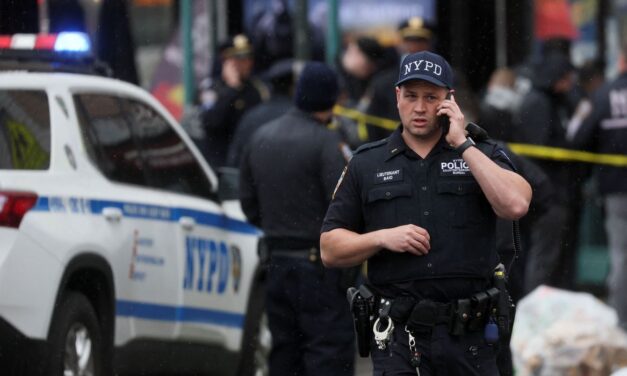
point(421, 207)
point(228, 97)
point(287, 175)
point(415, 35)
point(605, 131)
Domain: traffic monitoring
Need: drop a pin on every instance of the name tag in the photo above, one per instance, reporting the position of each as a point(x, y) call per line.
point(388, 176)
point(455, 167)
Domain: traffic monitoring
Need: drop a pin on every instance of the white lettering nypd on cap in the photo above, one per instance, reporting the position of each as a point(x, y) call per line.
point(426, 66)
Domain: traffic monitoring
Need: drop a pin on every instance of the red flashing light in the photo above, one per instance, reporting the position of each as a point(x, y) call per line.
point(45, 42)
point(5, 41)
point(14, 206)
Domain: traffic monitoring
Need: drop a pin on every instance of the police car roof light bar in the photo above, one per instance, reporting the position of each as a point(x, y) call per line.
point(66, 52)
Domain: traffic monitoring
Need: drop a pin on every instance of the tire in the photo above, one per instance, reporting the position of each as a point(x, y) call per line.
point(256, 340)
point(75, 338)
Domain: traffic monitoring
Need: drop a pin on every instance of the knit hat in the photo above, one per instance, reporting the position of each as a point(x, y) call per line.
point(426, 66)
point(317, 88)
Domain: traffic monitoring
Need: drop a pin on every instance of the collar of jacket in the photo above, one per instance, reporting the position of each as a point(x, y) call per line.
point(396, 145)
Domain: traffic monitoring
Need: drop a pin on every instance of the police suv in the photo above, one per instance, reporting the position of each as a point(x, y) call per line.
point(117, 252)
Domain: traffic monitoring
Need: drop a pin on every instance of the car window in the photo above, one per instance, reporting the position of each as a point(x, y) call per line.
point(24, 130)
point(108, 138)
point(170, 163)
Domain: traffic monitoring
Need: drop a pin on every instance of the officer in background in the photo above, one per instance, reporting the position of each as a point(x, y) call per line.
point(226, 98)
point(282, 78)
point(415, 35)
point(287, 175)
point(421, 207)
point(605, 131)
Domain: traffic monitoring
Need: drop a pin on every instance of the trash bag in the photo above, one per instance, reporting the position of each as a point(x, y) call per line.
point(558, 332)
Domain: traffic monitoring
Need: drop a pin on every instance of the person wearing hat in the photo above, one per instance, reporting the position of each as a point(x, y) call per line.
point(287, 174)
point(281, 77)
point(415, 36)
point(226, 98)
point(420, 206)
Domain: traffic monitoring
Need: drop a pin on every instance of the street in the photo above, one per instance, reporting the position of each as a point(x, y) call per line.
point(363, 366)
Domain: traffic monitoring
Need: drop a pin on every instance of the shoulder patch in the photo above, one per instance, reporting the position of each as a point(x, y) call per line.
point(371, 145)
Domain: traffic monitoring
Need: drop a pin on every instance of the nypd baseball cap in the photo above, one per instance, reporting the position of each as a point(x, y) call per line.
point(426, 66)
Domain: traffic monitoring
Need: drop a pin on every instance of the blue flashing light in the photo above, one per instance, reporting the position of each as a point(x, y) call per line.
point(72, 42)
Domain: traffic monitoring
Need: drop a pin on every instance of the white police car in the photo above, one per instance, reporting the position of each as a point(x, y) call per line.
point(116, 253)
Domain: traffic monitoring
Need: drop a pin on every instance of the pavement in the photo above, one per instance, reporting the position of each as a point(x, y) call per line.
point(363, 366)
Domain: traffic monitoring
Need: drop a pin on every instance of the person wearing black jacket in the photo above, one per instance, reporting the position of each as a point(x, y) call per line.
point(287, 175)
point(228, 97)
point(542, 119)
point(281, 77)
point(421, 207)
point(605, 131)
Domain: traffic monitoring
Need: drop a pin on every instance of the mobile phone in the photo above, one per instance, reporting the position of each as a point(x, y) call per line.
point(443, 120)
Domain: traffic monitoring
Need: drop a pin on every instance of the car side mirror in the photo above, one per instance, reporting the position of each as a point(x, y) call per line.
point(228, 184)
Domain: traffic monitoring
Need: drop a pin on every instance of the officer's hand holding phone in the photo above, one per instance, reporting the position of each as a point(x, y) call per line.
point(452, 120)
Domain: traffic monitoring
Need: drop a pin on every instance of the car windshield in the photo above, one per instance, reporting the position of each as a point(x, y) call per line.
point(24, 130)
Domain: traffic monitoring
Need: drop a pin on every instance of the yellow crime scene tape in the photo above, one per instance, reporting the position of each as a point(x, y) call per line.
point(533, 151)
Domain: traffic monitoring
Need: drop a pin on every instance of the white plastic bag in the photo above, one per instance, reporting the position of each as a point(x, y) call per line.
point(558, 332)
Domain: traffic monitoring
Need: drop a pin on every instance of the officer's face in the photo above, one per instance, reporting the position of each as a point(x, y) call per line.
point(410, 46)
point(417, 103)
point(244, 66)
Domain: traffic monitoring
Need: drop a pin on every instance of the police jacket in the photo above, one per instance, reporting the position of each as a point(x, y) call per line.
point(605, 131)
point(251, 121)
point(386, 185)
point(223, 114)
point(287, 175)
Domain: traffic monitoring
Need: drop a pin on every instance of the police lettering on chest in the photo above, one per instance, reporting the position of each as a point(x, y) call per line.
point(454, 167)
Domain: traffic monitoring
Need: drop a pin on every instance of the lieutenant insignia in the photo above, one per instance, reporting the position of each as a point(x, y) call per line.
point(339, 182)
point(455, 167)
point(388, 176)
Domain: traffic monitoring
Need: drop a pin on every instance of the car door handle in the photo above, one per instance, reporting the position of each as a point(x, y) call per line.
point(112, 214)
point(187, 223)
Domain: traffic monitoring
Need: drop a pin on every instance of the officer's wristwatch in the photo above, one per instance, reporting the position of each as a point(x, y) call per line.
point(468, 143)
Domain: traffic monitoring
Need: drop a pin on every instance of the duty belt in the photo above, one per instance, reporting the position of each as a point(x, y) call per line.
point(460, 315)
point(312, 254)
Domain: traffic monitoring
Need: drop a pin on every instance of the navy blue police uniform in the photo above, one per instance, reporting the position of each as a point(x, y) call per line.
point(385, 185)
point(287, 175)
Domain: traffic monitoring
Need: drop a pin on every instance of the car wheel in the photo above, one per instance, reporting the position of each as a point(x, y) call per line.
point(75, 338)
point(257, 341)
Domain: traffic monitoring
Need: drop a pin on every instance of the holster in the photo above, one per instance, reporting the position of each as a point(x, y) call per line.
point(361, 305)
point(506, 309)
